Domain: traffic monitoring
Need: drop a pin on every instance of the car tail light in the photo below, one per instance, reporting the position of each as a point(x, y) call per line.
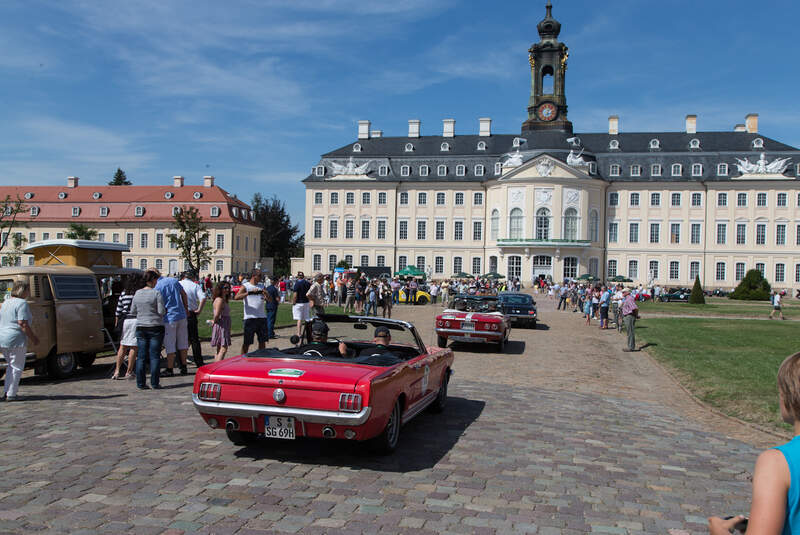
point(439, 323)
point(447, 324)
point(494, 326)
point(531, 312)
point(210, 391)
point(350, 402)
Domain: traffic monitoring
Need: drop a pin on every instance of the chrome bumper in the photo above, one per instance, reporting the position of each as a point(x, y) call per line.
point(475, 335)
point(305, 415)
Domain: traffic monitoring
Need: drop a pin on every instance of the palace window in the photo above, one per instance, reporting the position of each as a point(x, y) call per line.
point(383, 170)
point(613, 199)
point(781, 200)
point(438, 264)
point(445, 147)
point(655, 170)
point(542, 223)
point(741, 199)
point(677, 169)
point(34, 211)
point(694, 270)
point(422, 229)
point(458, 230)
point(350, 198)
point(348, 258)
point(697, 199)
point(381, 229)
point(439, 230)
point(498, 168)
point(634, 199)
point(613, 144)
point(720, 272)
point(382, 197)
point(409, 147)
point(421, 262)
point(675, 233)
point(515, 224)
point(477, 198)
point(143, 264)
point(571, 224)
point(761, 234)
point(458, 264)
point(403, 197)
point(422, 198)
point(697, 169)
point(675, 199)
point(694, 143)
point(570, 267)
point(780, 234)
point(476, 265)
point(674, 269)
point(760, 267)
point(654, 144)
point(381, 261)
point(653, 269)
point(780, 272)
point(477, 230)
point(76, 211)
point(738, 272)
point(332, 262)
point(423, 170)
point(592, 168)
point(139, 211)
point(365, 229)
point(318, 229)
point(402, 262)
point(612, 268)
point(356, 147)
point(722, 169)
point(655, 231)
point(594, 225)
point(633, 233)
point(334, 197)
point(405, 170)
point(613, 170)
point(655, 199)
point(613, 231)
point(633, 269)
point(481, 145)
point(402, 230)
point(694, 237)
point(333, 228)
point(129, 240)
point(761, 200)
point(495, 225)
point(461, 170)
point(318, 197)
point(440, 198)
point(722, 199)
point(366, 198)
point(636, 170)
point(741, 233)
point(479, 170)
point(758, 143)
point(722, 233)
point(104, 211)
point(459, 199)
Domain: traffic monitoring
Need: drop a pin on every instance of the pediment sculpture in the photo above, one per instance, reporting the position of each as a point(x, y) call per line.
point(762, 167)
point(350, 169)
point(544, 167)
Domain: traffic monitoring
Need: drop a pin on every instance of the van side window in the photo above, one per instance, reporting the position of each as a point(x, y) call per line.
point(75, 286)
point(47, 293)
point(5, 288)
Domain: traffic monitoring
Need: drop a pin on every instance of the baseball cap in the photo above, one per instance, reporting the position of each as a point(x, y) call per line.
point(382, 332)
point(319, 327)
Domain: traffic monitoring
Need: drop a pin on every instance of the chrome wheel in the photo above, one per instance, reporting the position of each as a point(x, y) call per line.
point(62, 365)
point(387, 441)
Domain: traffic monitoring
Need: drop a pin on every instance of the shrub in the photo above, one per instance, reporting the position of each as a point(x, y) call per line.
point(697, 296)
point(754, 287)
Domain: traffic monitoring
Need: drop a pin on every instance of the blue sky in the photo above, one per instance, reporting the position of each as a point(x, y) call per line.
point(254, 91)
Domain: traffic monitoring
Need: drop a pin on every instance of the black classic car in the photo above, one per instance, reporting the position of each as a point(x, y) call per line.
point(519, 307)
point(680, 295)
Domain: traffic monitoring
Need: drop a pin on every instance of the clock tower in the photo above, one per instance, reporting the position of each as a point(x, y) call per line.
point(547, 107)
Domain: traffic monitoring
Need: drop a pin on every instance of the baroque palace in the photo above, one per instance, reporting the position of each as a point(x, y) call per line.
point(141, 217)
point(657, 207)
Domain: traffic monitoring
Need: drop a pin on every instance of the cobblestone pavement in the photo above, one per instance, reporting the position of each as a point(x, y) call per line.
point(533, 441)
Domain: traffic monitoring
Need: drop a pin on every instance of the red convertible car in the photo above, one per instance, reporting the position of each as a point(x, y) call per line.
point(345, 384)
point(474, 319)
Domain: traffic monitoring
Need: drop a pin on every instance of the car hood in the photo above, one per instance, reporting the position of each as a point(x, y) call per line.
point(291, 373)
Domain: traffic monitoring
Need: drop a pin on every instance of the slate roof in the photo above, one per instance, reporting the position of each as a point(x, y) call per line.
point(634, 149)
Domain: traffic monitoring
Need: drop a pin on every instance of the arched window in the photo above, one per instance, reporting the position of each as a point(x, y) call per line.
point(515, 224)
point(445, 146)
point(655, 144)
point(542, 224)
point(495, 224)
point(409, 147)
point(357, 147)
point(571, 224)
point(758, 143)
point(613, 144)
point(694, 143)
point(594, 222)
point(481, 145)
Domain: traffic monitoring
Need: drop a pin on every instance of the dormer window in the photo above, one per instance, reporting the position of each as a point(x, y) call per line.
point(636, 170)
point(694, 143)
point(196, 195)
point(481, 145)
point(62, 195)
point(613, 144)
point(461, 170)
point(677, 169)
point(252, 215)
point(168, 195)
point(498, 168)
point(409, 147)
point(96, 195)
point(479, 169)
point(722, 169)
point(76, 211)
point(592, 168)
point(441, 170)
point(423, 170)
point(215, 211)
point(383, 170)
point(235, 211)
point(104, 211)
point(176, 210)
point(655, 169)
point(34, 211)
point(405, 170)
point(697, 169)
point(357, 147)
point(758, 143)
point(319, 170)
point(613, 170)
point(445, 147)
point(29, 195)
point(138, 211)
point(655, 144)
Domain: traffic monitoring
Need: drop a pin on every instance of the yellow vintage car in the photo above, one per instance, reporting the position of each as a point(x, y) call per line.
point(423, 297)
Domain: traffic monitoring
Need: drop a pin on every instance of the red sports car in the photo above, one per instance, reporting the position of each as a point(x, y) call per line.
point(342, 383)
point(474, 319)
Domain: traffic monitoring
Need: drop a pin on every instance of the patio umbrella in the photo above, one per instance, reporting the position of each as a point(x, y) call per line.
point(587, 277)
point(493, 275)
point(463, 275)
point(619, 278)
point(410, 271)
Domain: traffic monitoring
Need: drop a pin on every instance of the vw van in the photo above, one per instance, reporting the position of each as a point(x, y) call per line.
point(67, 316)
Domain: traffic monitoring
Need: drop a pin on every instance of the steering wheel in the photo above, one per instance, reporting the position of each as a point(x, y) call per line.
point(312, 352)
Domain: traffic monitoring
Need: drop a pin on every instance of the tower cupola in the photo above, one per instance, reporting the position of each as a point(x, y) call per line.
point(547, 106)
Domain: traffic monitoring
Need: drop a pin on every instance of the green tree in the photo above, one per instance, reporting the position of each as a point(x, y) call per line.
point(120, 179)
point(280, 239)
point(13, 256)
point(697, 297)
point(754, 287)
point(343, 264)
point(79, 231)
point(192, 238)
point(9, 218)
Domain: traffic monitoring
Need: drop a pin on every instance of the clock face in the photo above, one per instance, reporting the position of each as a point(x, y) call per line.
point(547, 111)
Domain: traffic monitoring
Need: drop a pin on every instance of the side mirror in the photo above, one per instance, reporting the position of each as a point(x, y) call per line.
point(294, 339)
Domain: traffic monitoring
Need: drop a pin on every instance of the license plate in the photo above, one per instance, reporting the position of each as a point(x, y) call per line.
point(468, 326)
point(279, 427)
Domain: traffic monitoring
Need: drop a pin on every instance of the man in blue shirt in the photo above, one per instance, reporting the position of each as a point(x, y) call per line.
point(272, 297)
point(301, 310)
point(176, 332)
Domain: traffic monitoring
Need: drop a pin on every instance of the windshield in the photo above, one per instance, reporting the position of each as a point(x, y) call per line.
point(475, 304)
point(364, 331)
point(517, 299)
point(5, 289)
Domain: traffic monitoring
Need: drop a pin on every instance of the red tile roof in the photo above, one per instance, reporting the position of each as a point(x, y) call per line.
point(122, 201)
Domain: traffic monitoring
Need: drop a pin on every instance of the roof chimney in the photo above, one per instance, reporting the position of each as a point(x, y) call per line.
point(613, 125)
point(739, 128)
point(751, 120)
point(177, 181)
point(376, 133)
point(413, 128)
point(208, 181)
point(72, 181)
point(363, 129)
point(448, 128)
point(691, 124)
point(486, 126)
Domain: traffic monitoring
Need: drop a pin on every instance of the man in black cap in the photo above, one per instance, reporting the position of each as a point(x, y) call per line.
point(382, 340)
point(319, 343)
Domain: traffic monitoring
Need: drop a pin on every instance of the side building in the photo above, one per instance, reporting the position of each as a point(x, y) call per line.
point(141, 217)
point(657, 207)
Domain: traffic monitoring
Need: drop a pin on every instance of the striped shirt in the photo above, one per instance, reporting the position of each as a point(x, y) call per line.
point(124, 306)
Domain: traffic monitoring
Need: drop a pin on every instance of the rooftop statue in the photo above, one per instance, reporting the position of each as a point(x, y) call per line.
point(350, 168)
point(514, 159)
point(761, 167)
point(576, 160)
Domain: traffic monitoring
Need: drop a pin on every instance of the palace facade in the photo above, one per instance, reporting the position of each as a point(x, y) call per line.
point(141, 217)
point(657, 207)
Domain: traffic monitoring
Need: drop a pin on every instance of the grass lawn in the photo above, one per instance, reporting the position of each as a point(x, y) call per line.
point(730, 364)
point(720, 307)
point(284, 317)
